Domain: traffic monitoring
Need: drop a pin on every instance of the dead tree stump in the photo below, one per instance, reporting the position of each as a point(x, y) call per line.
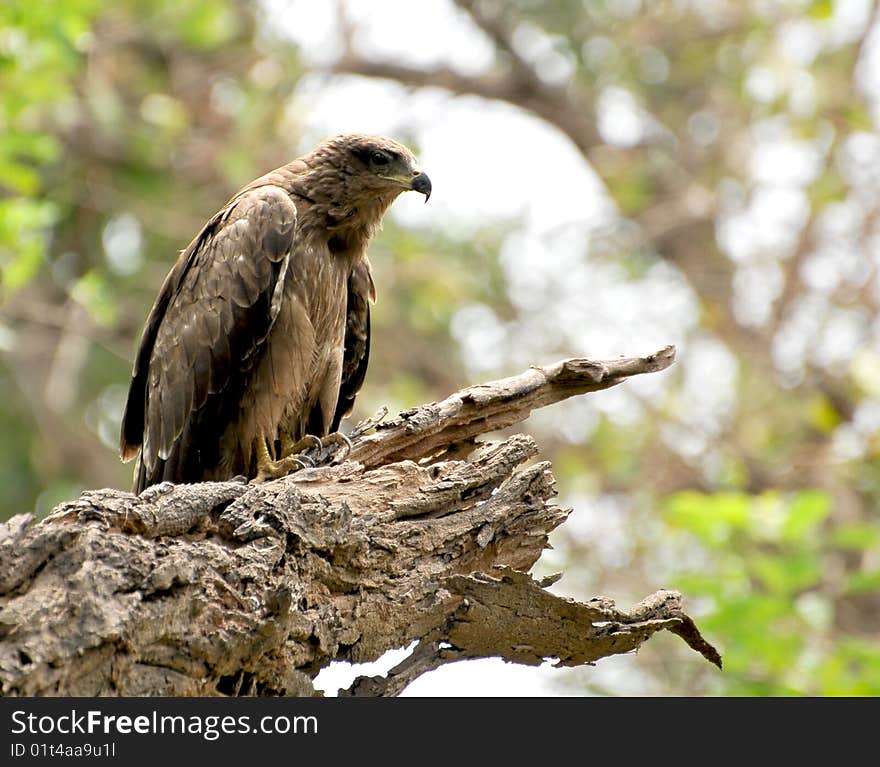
point(226, 588)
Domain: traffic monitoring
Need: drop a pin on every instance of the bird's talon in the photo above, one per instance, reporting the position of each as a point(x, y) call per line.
point(278, 469)
point(343, 445)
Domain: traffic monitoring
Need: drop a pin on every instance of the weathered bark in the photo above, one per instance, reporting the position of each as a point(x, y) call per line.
point(230, 588)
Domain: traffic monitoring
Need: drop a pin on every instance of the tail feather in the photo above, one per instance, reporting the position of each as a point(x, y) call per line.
point(140, 476)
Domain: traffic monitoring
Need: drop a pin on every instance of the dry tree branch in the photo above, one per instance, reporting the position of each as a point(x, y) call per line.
point(418, 433)
point(224, 588)
point(517, 84)
point(546, 102)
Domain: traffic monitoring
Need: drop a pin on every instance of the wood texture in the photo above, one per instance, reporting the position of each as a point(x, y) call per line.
point(225, 588)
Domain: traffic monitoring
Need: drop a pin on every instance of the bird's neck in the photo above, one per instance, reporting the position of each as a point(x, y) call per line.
point(348, 228)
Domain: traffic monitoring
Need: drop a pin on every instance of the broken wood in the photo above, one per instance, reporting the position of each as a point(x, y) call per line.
point(227, 588)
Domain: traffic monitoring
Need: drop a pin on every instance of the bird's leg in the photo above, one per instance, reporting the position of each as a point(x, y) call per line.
point(269, 469)
point(289, 448)
point(342, 442)
point(316, 450)
point(293, 455)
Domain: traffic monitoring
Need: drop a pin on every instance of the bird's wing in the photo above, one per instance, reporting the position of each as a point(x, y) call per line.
point(361, 292)
point(211, 319)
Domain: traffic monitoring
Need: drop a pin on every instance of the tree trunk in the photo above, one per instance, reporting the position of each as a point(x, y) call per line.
point(251, 589)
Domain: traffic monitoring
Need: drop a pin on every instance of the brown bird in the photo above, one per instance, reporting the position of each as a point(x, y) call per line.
point(260, 335)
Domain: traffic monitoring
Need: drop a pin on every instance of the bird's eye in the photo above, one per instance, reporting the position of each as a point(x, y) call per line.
point(379, 158)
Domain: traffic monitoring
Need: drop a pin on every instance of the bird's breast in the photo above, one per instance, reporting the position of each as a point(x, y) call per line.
point(318, 280)
point(302, 359)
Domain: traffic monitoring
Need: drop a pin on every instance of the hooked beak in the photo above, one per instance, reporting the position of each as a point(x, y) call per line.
point(416, 181)
point(421, 183)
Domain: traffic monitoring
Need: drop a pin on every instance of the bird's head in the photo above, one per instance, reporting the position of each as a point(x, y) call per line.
point(367, 168)
point(384, 164)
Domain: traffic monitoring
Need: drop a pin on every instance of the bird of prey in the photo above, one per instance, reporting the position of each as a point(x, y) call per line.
point(260, 336)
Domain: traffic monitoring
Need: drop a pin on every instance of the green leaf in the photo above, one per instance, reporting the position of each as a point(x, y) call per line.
point(787, 575)
point(23, 232)
point(94, 293)
point(859, 536)
point(711, 518)
point(821, 10)
point(862, 582)
point(807, 510)
point(823, 415)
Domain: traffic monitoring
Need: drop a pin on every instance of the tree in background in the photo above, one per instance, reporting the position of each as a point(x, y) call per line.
point(737, 146)
point(125, 126)
point(738, 143)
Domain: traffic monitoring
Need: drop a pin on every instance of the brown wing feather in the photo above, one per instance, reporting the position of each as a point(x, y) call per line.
point(357, 339)
point(203, 336)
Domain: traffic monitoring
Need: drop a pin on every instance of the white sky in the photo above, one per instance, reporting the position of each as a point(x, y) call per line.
point(475, 678)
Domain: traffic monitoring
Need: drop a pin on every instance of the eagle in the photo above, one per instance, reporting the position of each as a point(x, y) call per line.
point(260, 336)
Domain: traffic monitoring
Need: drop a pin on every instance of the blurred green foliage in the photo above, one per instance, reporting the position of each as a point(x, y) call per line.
point(762, 577)
point(124, 125)
point(767, 518)
point(39, 56)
